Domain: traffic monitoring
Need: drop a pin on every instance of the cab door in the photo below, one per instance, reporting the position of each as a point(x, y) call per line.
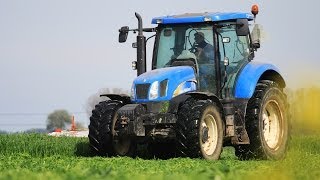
point(236, 49)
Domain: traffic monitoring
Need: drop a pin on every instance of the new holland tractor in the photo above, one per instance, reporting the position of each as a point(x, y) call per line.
point(205, 90)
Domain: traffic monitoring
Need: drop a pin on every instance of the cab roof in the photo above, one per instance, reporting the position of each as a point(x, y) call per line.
point(201, 17)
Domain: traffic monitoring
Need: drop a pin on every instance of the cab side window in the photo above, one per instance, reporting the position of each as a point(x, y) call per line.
point(236, 49)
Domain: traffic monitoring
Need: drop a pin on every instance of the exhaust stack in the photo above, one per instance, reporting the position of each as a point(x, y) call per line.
point(141, 48)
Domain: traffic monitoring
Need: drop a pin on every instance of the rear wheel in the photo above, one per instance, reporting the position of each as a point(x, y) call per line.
point(199, 129)
point(267, 123)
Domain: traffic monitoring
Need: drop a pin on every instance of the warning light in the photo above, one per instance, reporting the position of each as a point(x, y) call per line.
point(255, 9)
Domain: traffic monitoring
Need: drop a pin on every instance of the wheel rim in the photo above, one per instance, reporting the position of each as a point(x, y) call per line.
point(208, 134)
point(272, 119)
point(121, 144)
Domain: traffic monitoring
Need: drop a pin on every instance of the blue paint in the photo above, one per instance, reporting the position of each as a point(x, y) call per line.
point(175, 76)
point(201, 17)
point(248, 78)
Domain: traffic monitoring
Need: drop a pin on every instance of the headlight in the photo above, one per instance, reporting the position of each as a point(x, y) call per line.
point(133, 94)
point(184, 87)
point(154, 90)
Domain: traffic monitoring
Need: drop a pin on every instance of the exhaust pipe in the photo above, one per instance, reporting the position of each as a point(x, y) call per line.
point(141, 48)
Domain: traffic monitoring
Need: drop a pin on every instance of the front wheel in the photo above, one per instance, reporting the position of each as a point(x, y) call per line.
point(199, 129)
point(123, 145)
point(100, 136)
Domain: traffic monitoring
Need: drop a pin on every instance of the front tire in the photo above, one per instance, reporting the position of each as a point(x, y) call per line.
point(103, 138)
point(199, 129)
point(100, 136)
point(267, 124)
point(123, 145)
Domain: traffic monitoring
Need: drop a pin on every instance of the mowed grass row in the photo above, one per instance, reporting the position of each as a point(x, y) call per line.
point(43, 157)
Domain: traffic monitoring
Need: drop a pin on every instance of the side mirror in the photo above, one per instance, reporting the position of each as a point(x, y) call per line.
point(242, 27)
point(123, 34)
point(255, 36)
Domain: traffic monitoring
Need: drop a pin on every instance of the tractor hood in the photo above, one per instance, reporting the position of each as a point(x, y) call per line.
point(163, 84)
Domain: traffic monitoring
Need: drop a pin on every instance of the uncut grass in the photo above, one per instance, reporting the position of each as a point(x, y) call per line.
point(56, 161)
point(304, 110)
point(38, 145)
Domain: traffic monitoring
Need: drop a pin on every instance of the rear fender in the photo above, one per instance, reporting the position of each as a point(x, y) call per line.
point(251, 74)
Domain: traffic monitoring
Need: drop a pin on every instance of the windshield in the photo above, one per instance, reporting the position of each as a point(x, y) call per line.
point(188, 45)
point(193, 45)
point(184, 42)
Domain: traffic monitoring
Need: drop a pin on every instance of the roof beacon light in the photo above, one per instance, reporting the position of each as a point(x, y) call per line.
point(254, 10)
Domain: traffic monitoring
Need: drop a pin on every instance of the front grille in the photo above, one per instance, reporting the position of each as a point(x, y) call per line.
point(142, 91)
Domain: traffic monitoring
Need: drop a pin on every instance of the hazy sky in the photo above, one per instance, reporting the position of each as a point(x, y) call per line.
point(54, 54)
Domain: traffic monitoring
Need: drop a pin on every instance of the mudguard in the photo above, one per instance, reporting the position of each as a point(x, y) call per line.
point(251, 74)
point(206, 95)
point(176, 102)
point(119, 97)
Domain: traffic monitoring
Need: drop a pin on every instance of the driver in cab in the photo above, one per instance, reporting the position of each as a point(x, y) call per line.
point(205, 55)
point(203, 50)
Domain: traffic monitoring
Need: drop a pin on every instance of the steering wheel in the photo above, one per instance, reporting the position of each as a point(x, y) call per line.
point(193, 48)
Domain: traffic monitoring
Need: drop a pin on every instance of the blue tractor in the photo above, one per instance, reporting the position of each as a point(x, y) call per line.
point(204, 91)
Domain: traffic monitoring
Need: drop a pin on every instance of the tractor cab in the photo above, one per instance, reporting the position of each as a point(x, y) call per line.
point(213, 49)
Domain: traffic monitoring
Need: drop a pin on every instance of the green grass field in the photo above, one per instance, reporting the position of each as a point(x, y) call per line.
point(25, 156)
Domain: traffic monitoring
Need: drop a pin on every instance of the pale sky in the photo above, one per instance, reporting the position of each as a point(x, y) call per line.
point(54, 54)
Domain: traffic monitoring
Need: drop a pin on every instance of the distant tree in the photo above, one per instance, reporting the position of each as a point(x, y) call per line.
point(58, 119)
point(3, 132)
point(94, 99)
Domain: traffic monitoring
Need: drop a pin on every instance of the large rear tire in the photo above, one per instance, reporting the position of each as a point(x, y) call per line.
point(267, 124)
point(199, 129)
point(100, 135)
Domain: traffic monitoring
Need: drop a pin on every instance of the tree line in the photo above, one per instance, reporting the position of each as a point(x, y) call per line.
point(60, 119)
